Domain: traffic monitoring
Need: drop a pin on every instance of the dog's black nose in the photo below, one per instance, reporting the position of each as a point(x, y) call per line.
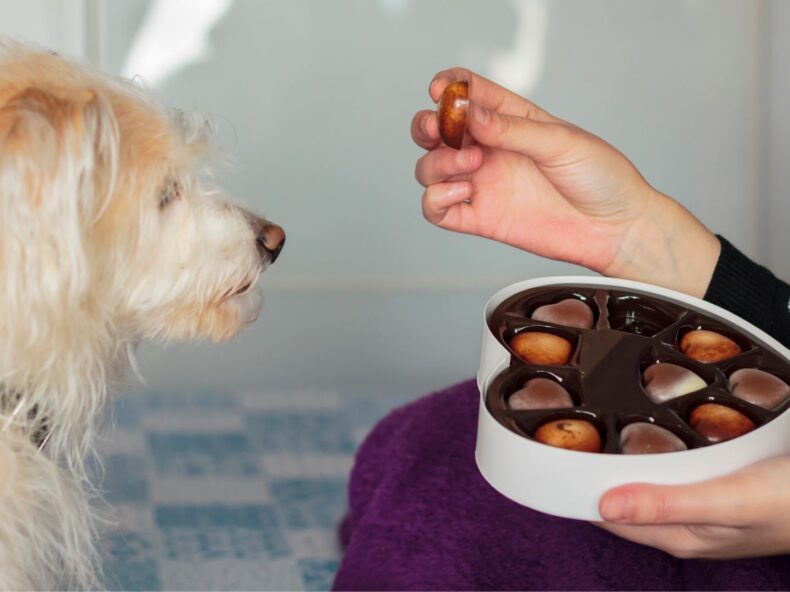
point(271, 240)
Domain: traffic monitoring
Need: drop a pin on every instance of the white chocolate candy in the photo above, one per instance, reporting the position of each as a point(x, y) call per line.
point(664, 382)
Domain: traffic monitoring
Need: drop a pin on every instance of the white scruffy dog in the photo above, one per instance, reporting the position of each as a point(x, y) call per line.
point(109, 234)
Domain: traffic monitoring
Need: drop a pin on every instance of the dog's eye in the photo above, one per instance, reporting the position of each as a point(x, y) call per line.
point(170, 193)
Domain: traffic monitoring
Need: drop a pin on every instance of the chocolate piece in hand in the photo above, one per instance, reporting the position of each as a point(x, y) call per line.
point(664, 382)
point(648, 438)
point(759, 388)
point(540, 393)
point(452, 110)
point(570, 312)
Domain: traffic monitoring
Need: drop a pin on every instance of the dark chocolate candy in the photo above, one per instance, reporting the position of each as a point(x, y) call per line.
point(647, 438)
point(570, 312)
point(540, 393)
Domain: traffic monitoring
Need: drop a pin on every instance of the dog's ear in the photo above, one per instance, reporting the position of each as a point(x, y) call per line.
point(58, 154)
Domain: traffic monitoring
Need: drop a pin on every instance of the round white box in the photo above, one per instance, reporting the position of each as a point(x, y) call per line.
point(569, 483)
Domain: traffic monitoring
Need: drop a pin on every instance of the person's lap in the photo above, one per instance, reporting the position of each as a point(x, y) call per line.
point(422, 517)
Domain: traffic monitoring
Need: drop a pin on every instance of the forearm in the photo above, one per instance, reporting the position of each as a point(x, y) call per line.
point(667, 246)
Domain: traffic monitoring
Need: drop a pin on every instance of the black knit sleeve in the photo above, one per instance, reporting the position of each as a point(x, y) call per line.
point(751, 291)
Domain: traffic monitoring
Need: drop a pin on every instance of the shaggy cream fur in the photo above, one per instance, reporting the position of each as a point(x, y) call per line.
point(110, 233)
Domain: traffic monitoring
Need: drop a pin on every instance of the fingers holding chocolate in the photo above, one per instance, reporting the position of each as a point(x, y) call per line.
point(443, 164)
point(425, 130)
point(439, 201)
point(488, 94)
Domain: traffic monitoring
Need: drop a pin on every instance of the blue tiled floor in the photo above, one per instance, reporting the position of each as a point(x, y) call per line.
point(244, 491)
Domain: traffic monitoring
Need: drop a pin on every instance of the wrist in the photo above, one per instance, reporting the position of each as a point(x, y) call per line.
point(667, 246)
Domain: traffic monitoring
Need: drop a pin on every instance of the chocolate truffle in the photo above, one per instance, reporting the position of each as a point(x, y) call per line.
point(568, 313)
point(572, 434)
point(540, 393)
point(708, 346)
point(667, 381)
point(647, 438)
point(717, 423)
point(537, 347)
point(452, 109)
point(759, 388)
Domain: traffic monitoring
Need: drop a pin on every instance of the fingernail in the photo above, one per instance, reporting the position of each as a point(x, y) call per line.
point(481, 114)
point(430, 87)
point(458, 189)
point(616, 508)
point(424, 126)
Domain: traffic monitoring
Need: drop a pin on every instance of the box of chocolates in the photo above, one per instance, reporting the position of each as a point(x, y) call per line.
point(588, 383)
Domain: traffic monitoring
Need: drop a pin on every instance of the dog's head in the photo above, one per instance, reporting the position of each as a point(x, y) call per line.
point(107, 218)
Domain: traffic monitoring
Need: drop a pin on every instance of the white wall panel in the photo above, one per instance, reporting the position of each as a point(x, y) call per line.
point(54, 24)
point(776, 219)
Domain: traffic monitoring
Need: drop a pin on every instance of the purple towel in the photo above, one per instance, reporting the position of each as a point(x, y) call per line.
point(422, 517)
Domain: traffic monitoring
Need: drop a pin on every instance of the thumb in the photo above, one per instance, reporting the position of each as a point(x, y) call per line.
point(735, 499)
point(708, 502)
point(541, 141)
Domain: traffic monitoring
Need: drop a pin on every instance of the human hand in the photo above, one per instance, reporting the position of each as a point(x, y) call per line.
point(541, 184)
point(744, 514)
